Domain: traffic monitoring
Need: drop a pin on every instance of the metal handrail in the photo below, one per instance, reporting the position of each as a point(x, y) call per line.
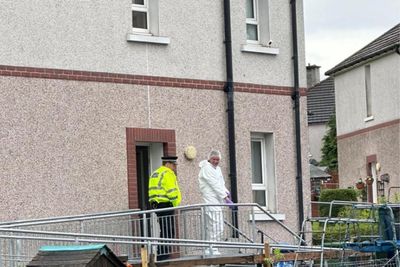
point(239, 232)
point(140, 212)
point(68, 218)
point(78, 237)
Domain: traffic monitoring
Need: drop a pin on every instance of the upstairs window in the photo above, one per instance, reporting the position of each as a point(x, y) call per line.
point(252, 21)
point(368, 90)
point(145, 23)
point(140, 16)
point(258, 37)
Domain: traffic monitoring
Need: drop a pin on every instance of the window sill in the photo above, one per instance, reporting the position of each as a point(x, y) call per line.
point(252, 48)
point(141, 38)
point(370, 118)
point(264, 217)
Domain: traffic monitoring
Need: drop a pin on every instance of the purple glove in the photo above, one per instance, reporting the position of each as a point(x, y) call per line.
point(230, 203)
point(229, 194)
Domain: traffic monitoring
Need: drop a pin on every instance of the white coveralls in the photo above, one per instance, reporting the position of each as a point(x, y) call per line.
point(213, 190)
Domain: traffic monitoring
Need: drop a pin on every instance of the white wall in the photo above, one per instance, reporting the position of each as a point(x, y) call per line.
point(315, 134)
point(350, 95)
point(91, 35)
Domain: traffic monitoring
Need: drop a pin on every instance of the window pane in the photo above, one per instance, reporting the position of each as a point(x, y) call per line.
point(256, 164)
point(252, 33)
point(368, 90)
point(139, 19)
point(138, 2)
point(249, 9)
point(259, 197)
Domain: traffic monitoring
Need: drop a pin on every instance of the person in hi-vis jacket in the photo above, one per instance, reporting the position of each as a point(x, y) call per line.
point(213, 190)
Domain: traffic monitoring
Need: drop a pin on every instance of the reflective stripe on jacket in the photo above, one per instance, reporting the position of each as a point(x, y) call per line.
point(163, 187)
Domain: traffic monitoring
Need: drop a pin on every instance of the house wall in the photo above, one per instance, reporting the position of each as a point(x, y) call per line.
point(65, 146)
point(315, 134)
point(353, 152)
point(86, 35)
point(350, 95)
point(64, 117)
point(359, 139)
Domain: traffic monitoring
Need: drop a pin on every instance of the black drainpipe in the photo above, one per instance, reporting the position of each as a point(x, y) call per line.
point(296, 98)
point(231, 115)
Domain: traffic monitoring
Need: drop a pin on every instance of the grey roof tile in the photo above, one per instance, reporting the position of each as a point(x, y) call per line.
point(387, 42)
point(321, 101)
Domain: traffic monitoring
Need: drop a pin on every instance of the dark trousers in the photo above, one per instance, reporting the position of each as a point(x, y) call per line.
point(166, 220)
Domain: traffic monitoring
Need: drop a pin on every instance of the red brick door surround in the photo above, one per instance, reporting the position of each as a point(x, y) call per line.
point(371, 159)
point(134, 135)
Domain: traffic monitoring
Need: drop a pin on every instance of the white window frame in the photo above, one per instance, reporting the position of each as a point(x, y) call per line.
point(145, 9)
point(254, 21)
point(268, 170)
point(260, 186)
point(151, 34)
point(368, 91)
point(264, 44)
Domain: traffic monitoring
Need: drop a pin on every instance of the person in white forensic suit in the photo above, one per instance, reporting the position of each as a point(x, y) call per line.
point(213, 190)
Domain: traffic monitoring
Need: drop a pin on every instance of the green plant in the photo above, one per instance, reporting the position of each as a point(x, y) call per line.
point(337, 233)
point(396, 198)
point(277, 256)
point(382, 200)
point(329, 147)
point(328, 195)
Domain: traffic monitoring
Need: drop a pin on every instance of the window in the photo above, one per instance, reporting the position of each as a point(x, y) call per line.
point(258, 28)
point(252, 21)
point(145, 22)
point(140, 16)
point(263, 171)
point(368, 90)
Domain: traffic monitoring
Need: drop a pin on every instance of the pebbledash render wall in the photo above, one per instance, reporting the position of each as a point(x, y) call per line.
point(381, 142)
point(65, 140)
point(75, 97)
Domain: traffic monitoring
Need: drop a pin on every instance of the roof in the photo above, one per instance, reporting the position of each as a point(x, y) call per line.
point(321, 101)
point(387, 42)
point(317, 172)
point(90, 255)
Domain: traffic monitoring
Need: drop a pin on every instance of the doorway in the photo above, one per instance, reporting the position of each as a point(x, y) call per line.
point(151, 144)
point(148, 159)
point(142, 163)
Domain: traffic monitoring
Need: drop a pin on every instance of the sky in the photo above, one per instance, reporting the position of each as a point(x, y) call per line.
point(336, 29)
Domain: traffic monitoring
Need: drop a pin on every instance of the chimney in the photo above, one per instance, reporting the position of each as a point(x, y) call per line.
point(312, 75)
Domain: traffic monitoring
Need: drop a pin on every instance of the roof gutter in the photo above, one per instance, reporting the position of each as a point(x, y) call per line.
point(296, 99)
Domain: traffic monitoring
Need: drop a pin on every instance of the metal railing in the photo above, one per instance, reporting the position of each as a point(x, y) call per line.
point(354, 225)
point(127, 232)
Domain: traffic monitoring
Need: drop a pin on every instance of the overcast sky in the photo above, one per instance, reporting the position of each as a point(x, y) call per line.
point(335, 29)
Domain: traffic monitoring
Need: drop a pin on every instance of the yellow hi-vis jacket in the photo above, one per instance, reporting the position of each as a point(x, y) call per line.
point(163, 187)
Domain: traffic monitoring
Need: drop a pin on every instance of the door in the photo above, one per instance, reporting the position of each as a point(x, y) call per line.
point(142, 167)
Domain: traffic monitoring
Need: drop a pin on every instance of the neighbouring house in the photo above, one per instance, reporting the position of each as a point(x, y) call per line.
point(320, 108)
point(93, 93)
point(368, 115)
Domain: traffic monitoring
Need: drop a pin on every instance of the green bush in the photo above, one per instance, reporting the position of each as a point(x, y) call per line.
point(328, 195)
point(338, 232)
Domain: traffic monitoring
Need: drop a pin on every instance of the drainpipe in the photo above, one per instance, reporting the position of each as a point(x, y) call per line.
point(296, 99)
point(229, 89)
